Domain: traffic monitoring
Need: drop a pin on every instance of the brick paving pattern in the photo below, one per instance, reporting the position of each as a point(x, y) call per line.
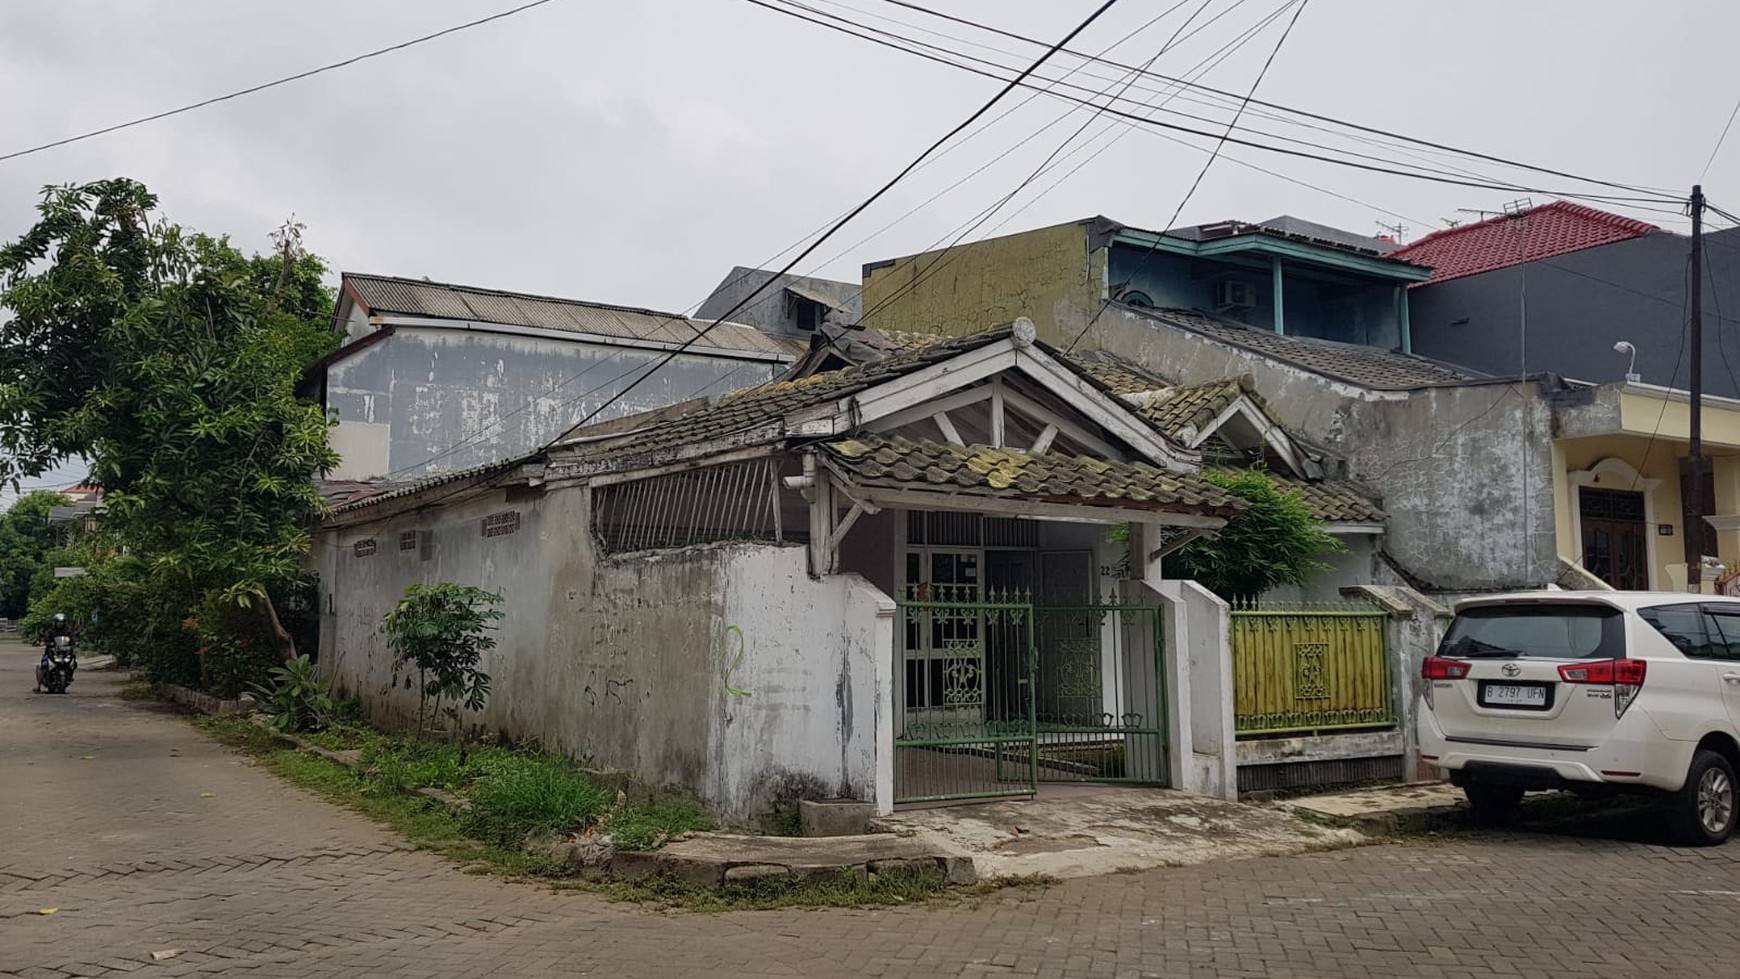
point(165, 855)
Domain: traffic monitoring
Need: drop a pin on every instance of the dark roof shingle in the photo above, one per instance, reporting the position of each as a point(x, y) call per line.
point(984, 471)
point(1367, 367)
point(1333, 502)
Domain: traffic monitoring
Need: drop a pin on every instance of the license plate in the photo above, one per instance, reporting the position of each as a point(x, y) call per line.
point(1516, 695)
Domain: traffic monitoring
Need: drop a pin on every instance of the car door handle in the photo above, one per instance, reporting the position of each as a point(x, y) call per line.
point(1731, 677)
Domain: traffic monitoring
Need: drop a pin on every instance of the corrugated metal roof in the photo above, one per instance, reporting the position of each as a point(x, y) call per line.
point(383, 295)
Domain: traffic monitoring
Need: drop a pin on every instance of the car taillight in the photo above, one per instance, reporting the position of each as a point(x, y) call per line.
point(1440, 668)
point(1625, 676)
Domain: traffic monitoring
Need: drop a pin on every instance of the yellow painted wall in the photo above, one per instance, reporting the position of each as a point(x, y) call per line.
point(1656, 459)
point(1642, 414)
point(1047, 275)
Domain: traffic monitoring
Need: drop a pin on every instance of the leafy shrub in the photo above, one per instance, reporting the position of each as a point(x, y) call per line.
point(443, 629)
point(1275, 541)
point(295, 701)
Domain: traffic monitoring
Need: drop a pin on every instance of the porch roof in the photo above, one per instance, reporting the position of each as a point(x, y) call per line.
point(900, 463)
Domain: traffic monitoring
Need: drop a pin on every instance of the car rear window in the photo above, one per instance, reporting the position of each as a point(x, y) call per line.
point(1552, 631)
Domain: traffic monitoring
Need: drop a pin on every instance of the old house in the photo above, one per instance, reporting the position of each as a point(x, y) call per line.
point(796, 305)
point(894, 581)
point(437, 377)
point(1286, 276)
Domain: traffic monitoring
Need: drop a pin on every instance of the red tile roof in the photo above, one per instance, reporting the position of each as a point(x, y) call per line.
point(1541, 232)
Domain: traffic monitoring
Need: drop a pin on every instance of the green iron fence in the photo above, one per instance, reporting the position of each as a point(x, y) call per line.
point(998, 694)
point(1308, 669)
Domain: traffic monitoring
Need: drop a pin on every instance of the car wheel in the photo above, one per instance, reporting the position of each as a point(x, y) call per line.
point(1704, 809)
point(1493, 805)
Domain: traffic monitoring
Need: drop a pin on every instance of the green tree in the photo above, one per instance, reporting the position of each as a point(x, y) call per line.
point(1274, 542)
point(26, 539)
point(443, 630)
point(169, 360)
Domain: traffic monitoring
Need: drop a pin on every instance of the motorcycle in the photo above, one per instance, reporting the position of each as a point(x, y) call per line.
point(59, 663)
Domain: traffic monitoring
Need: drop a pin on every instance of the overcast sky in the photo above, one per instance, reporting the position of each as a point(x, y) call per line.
point(634, 152)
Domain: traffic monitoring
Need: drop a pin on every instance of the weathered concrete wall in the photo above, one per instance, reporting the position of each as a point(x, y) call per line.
point(724, 670)
point(1466, 472)
point(1355, 566)
point(1051, 275)
point(431, 400)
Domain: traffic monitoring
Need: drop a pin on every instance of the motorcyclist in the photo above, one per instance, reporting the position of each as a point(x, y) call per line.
point(58, 626)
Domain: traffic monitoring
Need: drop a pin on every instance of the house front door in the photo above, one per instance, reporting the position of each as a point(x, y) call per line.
point(943, 669)
point(1615, 537)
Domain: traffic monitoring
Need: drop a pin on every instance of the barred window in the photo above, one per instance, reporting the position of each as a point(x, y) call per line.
point(734, 501)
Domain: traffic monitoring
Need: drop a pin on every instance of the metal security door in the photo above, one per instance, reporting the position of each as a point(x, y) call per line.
point(963, 725)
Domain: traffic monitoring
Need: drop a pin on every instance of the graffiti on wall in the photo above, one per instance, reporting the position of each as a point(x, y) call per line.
point(729, 656)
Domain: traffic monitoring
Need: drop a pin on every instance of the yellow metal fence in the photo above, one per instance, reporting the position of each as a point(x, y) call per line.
point(1305, 669)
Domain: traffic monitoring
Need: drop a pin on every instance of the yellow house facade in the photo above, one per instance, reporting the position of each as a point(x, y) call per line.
point(1617, 488)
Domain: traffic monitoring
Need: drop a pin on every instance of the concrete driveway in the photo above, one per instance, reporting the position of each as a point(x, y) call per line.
point(165, 855)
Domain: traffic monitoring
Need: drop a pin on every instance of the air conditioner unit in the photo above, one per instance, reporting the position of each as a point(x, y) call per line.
point(1233, 294)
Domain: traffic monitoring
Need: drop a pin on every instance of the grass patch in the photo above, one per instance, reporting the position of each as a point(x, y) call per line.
point(423, 823)
point(512, 794)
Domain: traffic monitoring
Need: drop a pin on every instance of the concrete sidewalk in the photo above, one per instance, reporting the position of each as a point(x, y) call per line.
point(1091, 830)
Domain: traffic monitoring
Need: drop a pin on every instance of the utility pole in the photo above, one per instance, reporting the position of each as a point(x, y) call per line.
point(1692, 470)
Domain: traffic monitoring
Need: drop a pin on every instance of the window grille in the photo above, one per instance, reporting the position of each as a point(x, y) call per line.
point(735, 501)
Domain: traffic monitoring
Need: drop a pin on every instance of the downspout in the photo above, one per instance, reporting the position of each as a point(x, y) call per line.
point(1280, 302)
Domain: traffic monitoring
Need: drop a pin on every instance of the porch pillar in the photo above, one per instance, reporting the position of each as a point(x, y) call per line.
point(1280, 303)
point(1199, 683)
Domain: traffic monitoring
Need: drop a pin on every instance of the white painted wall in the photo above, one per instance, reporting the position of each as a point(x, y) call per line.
point(628, 662)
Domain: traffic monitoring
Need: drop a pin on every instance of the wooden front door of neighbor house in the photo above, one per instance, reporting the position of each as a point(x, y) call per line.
point(1615, 537)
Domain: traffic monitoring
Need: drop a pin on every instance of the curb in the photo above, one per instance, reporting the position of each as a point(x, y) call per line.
point(205, 703)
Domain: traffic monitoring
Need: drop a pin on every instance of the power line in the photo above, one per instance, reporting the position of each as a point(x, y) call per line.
point(908, 4)
point(271, 84)
point(1417, 173)
point(1212, 156)
point(1719, 141)
point(884, 189)
point(945, 256)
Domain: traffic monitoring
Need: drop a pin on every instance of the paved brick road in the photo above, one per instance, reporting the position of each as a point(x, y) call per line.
point(161, 841)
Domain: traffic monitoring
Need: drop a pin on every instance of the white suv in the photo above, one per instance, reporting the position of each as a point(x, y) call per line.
point(1592, 692)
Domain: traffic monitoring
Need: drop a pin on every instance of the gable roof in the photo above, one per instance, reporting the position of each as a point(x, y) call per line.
point(763, 407)
point(387, 295)
point(771, 412)
point(872, 460)
point(1367, 367)
point(1503, 241)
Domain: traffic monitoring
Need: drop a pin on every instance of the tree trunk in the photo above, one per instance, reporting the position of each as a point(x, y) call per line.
point(276, 634)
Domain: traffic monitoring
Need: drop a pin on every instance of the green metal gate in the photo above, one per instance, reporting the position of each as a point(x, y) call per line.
point(996, 694)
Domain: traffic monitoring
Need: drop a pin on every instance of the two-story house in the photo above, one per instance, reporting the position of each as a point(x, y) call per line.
point(436, 377)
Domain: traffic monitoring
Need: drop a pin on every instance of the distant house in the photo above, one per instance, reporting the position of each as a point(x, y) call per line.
point(438, 377)
point(1553, 288)
point(788, 304)
point(1287, 276)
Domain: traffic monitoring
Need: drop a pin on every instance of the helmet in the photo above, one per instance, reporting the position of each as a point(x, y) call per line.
point(60, 616)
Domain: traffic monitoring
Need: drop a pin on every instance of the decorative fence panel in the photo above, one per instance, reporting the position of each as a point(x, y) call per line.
point(1310, 669)
point(997, 694)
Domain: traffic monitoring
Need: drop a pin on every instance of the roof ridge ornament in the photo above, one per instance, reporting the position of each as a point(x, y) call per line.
point(1023, 332)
